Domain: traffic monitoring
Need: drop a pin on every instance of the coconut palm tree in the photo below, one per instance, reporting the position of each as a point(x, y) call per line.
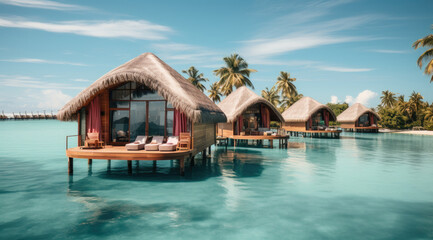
point(195, 78)
point(387, 99)
point(214, 92)
point(416, 101)
point(285, 85)
point(428, 114)
point(235, 74)
point(427, 56)
point(287, 102)
point(272, 96)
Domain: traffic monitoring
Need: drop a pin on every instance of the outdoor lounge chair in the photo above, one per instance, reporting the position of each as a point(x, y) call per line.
point(184, 141)
point(92, 141)
point(154, 145)
point(170, 145)
point(138, 144)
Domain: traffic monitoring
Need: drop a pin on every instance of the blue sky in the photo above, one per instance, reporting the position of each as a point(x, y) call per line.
point(337, 50)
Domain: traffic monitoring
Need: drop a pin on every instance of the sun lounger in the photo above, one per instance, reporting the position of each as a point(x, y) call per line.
point(138, 144)
point(154, 145)
point(170, 145)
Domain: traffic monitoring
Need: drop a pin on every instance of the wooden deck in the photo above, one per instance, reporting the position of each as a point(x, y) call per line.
point(121, 153)
point(363, 129)
point(283, 140)
point(317, 133)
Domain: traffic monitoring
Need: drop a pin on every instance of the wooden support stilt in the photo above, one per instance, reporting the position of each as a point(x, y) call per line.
point(182, 166)
point(70, 165)
point(192, 161)
point(154, 166)
point(203, 154)
point(89, 161)
point(109, 165)
point(129, 166)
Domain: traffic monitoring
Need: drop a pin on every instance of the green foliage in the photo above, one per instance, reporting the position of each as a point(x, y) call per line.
point(235, 74)
point(338, 108)
point(428, 125)
point(392, 118)
point(427, 56)
point(195, 78)
point(272, 96)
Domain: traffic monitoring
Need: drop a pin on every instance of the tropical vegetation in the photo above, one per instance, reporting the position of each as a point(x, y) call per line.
point(235, 74)
point(214, 92)
point(271, 95)
point(195, 78)
point(427, 56)
point(396, 113)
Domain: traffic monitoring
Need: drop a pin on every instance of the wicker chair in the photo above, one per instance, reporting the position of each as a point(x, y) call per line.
point(184, 141)
point(92, 141)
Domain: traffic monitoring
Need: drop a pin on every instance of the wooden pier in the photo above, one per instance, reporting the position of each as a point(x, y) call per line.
point(316, 133)
point(121, 153)
point(259, 139)
point(28, 116)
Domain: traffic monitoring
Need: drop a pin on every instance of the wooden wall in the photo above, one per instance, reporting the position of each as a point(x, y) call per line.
point(294, 126)
point(225, 129)
point(347, 125)
point(203, 136)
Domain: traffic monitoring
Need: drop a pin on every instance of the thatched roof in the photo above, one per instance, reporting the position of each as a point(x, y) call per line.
point(238, 101)
point(354, 112)
point(151, 71)
point(302, 110)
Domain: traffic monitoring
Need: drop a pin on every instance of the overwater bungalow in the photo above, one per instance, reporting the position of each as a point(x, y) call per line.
point(142, 98)
point(359, 118)
point(308, 117)
point(249, 117)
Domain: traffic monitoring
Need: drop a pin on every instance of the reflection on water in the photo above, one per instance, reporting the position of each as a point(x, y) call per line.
point(358, 186)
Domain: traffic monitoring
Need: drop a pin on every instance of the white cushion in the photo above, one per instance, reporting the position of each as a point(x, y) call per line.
point(151, 147)
point(167, 147)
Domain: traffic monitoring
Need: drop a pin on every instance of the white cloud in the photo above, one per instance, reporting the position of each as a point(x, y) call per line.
point(52, 99)
point(363, 97)
point(43, 4)
point(342, 69)
point(81, 80)
point(136, 29)
point(305, 36)
point(29, 82)
point(36, 60)
point(334, 99)
point(389, 51)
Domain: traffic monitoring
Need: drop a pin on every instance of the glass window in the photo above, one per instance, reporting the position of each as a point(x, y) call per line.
point(156, 118)
point(170, 122)
point(119, 120)
point(125, 86)
point(119, 95)
point(119, 104)
point(169, 105)
point(138, 119)
point(144, 93)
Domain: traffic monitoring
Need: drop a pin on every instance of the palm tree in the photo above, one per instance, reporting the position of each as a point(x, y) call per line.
point(428, 114)
point(416, 101)
point(427, 56)
point(195, 78)
point(285, 85)
point(236, 73)
point(387, 99)
point(214, 92)
point(287, 102)
point(271, 95)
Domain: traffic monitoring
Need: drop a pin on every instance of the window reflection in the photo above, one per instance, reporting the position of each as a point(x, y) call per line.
point(119, 125)
point(156, 118)
point(170, 121)
point(138, 119)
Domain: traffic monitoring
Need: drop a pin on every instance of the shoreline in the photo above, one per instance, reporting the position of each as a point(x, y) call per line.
point(413, 132)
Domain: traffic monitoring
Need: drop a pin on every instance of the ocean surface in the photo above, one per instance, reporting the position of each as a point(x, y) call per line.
point(361, 186)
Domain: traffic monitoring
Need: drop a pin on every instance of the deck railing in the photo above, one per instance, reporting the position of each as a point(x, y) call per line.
point(67, 140)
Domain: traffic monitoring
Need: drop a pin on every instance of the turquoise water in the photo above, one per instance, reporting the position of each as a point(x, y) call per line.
point(363, 186)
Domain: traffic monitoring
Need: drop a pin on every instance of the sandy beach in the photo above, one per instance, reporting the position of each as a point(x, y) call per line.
point(420, 132)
